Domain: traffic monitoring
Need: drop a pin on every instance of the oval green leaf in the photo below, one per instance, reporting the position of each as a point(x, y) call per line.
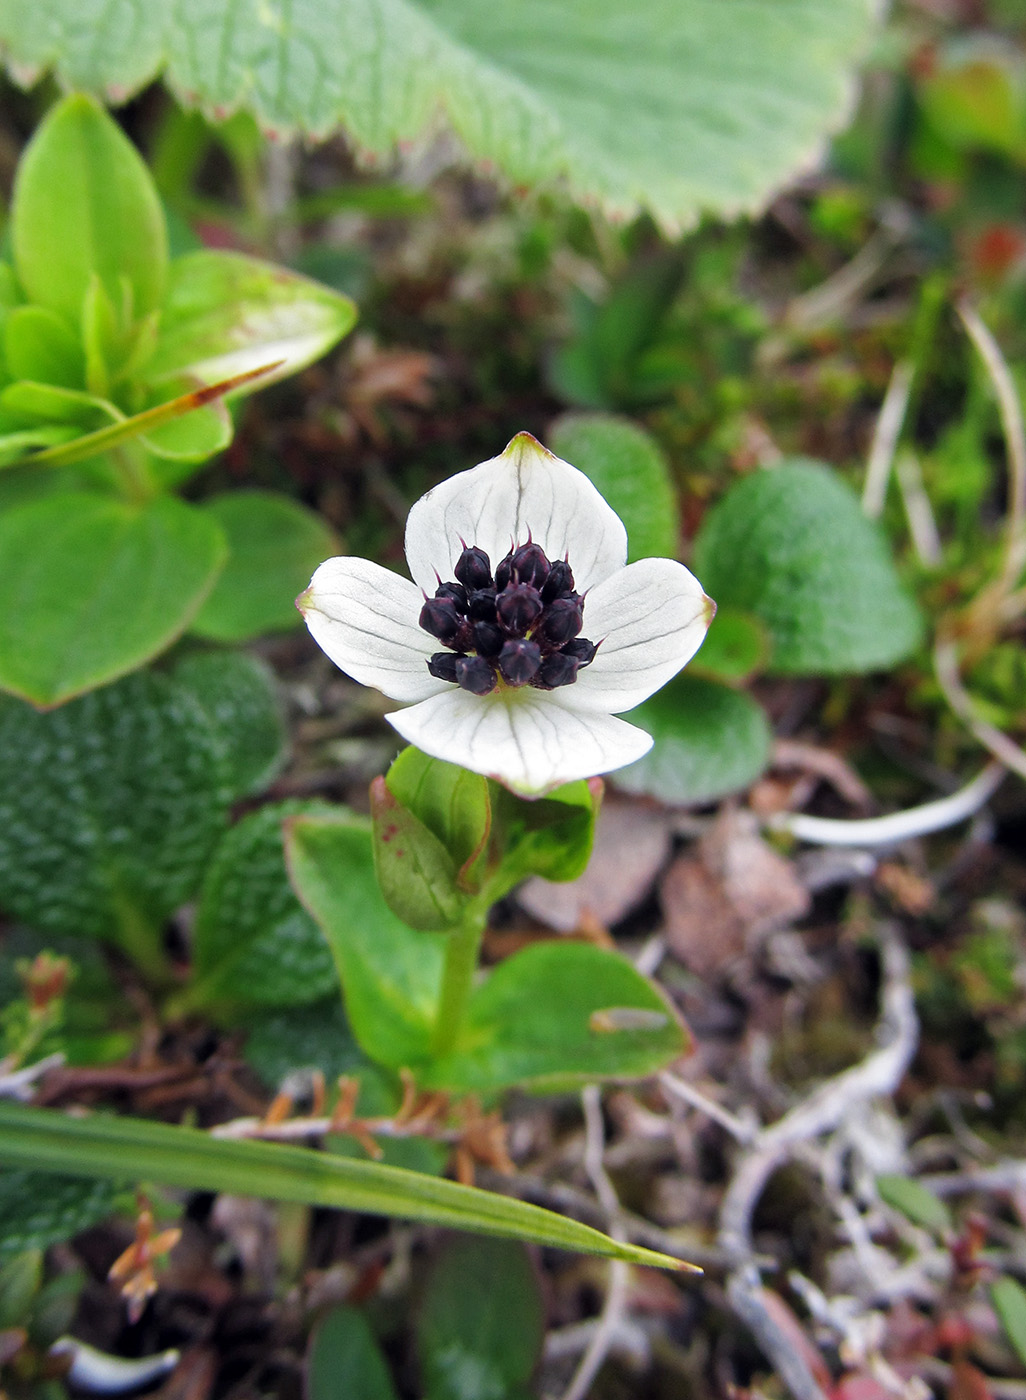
point(91, 588)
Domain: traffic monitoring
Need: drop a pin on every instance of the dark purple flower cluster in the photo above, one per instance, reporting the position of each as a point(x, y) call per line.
point(523, 625)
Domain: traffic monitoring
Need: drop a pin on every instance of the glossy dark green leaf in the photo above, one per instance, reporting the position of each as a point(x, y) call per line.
point(345, 1360)
point(629, 469)
point(390, 974)
point(109, 809)
point(239, 696)
point(253, 942)
point(274, 545)
point(790, 545)
point(92, 588)
point(481, 1325)
point(709, 740)
point(84, 204)
point(558, 1014)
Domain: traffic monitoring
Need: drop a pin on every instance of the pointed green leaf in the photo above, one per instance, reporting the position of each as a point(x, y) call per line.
point(557, 1014)
point(253, 942)
point(38, 345)
point(629, 468)
point(84, 204)
point(482, 1322)
point(390, 974)
point(1009, 1299)
point(274, 545)
point(227, 313)
point(791, 545)
point(709, 741)
point(915, 1201)
point(671, 107)
point(113, 1148)
point(345, 1359)
point(239, 696)
point(92, 588)
point(109, 808)
point(417, 875)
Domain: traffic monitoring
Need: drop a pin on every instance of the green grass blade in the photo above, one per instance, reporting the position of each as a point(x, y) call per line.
point(136, 1149)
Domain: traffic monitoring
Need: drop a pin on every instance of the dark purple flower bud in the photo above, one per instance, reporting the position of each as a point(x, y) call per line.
point(581, 650)
point(475, 674)
point(563, 619)
point(439, 617)
point(503, 572)
point(481, 605)
point(556, 670)
point(559, 581)
point(455, 592)
point(519, 662)
point(473, 568)
point(530, 565)
point(488, 639)
point(443, 666)
point(518, 608)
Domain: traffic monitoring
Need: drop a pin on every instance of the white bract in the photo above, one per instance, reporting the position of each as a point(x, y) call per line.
point(649, 619)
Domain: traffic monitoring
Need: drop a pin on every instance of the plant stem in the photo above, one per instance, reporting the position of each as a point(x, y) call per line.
point(462, 947)
point(141, 941)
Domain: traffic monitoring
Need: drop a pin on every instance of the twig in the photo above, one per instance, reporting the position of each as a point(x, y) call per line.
point(918, 511)
point(1010, 410)
point(1003, 1177)
point(614, 1310)
point(822, 763)
point(824, 1109)
point(898, 826)
point(821, 304)
point(20, 1083)
point(885, 438)
point(943, 1374)
point(679, 1088)
point(945, 665)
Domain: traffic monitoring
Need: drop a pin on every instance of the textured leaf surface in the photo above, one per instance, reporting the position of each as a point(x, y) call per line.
point(274, 545)
point(791, 545)
point(709, 740)
point(38, 1209)
point(556, 1014)
point(628, 467)
point(92, 588)
point(675, 107)
point(239, 697)
point(98, 1146)
point(311, 1037)
point(482, 1322)
point(253, 942)
point(109, 807)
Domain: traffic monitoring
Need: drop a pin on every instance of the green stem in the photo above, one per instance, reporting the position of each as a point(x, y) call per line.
point(142, 942)
point(462, 947)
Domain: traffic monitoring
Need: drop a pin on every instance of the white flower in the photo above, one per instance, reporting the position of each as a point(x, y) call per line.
point(648, 619)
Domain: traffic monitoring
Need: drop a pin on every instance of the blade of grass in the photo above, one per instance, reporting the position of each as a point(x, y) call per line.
point(43, 1139)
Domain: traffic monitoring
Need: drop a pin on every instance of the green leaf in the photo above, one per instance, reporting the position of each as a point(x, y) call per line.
point(38, 1209)
point(109, 808)
point(84, 204)
point(28, 399)
point(92, 588)
point(390, 974)
point(628, 467)
point(38, 345)
point(274, 545)
point(345, 1359)
point(1009, 1299)
point(558, 1014)
point(431, 823)
point(709, 741)
point(481, 1325)
point(914, 1201)
point(311, 1037)
point(20, 1279)
point(551, 837)
point(791, 545)
point(735, 647)
point(227, 313)
point(194, 436)
point(239, 696)
point(15, 446)
point(253, 942)
point(113, 1148)
point(675, 108)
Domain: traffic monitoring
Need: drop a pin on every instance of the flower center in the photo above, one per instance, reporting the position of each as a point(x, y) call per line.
point(519, 627)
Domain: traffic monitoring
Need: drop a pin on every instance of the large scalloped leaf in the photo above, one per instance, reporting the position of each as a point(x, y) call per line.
point(678, 106)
